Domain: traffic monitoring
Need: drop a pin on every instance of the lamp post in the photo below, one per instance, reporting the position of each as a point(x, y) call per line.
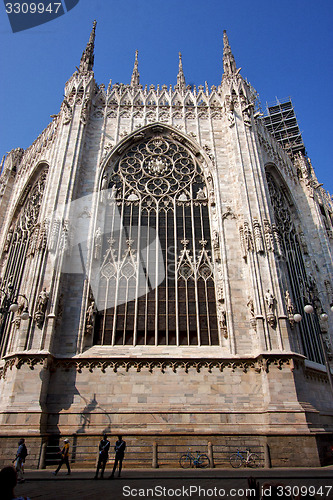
point(9, 304)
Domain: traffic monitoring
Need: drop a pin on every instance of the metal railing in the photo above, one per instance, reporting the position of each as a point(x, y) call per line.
point(85, 455)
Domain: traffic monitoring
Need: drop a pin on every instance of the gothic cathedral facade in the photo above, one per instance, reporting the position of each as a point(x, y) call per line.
point(157, 249)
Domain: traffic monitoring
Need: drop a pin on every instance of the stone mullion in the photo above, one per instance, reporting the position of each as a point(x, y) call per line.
point(176, 272)
point(197, 311)
point(121, 234)
point(139, 265)
point(156, 271)
point(166, 280)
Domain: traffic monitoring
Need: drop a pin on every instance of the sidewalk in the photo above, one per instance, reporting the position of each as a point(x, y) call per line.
point(171, 473)
point(165, 484)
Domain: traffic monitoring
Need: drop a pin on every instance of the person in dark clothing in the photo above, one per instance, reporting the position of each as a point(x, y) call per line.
point(8, 481)
point(20, 459)
point(64, 458)
point(103, 456)
point(118, 460)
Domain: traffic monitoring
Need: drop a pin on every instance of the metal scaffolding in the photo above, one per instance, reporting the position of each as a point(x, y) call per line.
point(280, 120)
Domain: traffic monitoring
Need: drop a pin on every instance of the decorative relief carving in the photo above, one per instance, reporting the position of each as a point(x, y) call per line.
point(261, 363)
point(228, 213)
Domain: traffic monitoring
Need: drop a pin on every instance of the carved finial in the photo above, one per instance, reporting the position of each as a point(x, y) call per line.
point(135, 80)
point(229, 64)
point(181, 85)
point(87, 59)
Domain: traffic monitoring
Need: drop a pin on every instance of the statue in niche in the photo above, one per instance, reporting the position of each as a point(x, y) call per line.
point(289, 304)
point(223, 322)
point(41, 308)
point(250, 306)
point(90, 318)
point(98, 244)
point(9, 238)
point(42, 300)
point(269, 299)
point(201, 195)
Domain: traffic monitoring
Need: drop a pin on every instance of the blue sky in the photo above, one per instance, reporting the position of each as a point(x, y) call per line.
point(284, 49)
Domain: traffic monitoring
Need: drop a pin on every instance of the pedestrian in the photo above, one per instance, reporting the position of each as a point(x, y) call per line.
point(103, 455)
point(21, 454)
point(120, 451)
point(64, 458)
point(8, 481)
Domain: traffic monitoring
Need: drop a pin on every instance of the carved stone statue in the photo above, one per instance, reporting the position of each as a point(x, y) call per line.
point(9, 238)
point(201, 195)
point(258, 236)
point(289, 304)
point(250, 306)
point(270, 299)
point(98, 244)
point(41, 308)
point(223, 322)
point(42, 300)
point(90, 318)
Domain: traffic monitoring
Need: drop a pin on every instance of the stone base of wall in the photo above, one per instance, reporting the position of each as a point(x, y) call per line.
point(165, 450)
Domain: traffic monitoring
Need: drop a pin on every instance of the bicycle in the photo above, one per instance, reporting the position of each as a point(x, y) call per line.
point(200, 460)
point(251, 460)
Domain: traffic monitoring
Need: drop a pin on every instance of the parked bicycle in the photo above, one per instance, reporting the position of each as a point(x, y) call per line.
point(200, 460)
point(250, 460)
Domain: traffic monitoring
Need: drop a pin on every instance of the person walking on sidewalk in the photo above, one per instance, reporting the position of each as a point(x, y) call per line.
point(21, 454)
point(120, 451)
point(64, 458)
point(103, 456)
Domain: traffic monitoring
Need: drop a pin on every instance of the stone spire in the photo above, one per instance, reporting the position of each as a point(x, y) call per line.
point(229, 64)
point(135, 80)
point(181, 85)
point(87, 59)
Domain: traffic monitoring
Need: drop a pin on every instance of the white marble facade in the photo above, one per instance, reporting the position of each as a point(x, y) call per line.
point(239, 364)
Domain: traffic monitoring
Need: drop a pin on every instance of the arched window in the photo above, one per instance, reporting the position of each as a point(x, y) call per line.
point(156, 290)
point(299, 282)
point(21, 238)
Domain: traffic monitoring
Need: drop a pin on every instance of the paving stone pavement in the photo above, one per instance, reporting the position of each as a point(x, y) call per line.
point(164, 484)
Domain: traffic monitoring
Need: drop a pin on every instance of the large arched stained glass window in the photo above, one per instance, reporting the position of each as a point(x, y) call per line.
point(156, 284)
point(290, 250)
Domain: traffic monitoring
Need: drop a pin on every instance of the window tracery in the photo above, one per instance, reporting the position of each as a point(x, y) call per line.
point(157, 186)
point(21, 239)
point(290, 249)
